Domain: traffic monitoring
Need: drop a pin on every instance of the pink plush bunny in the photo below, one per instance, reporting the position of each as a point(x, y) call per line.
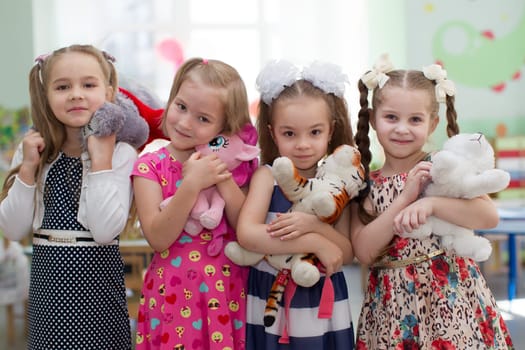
point(239, 153)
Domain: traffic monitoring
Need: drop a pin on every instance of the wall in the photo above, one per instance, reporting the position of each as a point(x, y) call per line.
point(480, 44)
point(16, 60)
point(408, 30)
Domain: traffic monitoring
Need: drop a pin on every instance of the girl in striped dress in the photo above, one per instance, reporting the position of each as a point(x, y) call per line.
point(303, 116)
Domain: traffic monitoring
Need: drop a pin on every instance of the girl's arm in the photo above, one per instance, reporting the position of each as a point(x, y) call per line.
point(253, 234)
point(162, 228)
point(289, 226)
point(370, 240)
point(17, 209)
point(474, 213)
point(106, 197)
point(233, 197)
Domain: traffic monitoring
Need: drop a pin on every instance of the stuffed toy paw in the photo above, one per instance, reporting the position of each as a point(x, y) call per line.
point(121, 117)
point(464, 168)
point(241, 256)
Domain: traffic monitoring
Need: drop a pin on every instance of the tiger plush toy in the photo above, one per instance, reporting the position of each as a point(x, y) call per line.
point(339, 178)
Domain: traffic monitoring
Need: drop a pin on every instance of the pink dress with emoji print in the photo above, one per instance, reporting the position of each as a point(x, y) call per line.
point(190, 299)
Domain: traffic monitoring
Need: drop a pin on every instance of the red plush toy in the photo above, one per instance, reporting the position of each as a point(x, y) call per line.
point(151, 115)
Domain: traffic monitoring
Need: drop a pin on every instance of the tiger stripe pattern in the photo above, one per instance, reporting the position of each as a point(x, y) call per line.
point(276, 293)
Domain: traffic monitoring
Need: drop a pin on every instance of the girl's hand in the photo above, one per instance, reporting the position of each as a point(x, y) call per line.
point(203, 172)
point(413, 216)
point(291, 225)
point(100, 149)
point(330, 255)
point(417, 179)
point(32, 146)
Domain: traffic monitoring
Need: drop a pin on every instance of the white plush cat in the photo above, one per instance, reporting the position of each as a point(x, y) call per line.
point(464, 168)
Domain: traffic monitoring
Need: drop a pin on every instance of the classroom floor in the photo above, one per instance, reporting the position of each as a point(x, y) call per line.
point(514, 312)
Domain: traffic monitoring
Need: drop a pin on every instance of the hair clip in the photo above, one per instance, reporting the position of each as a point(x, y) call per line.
point(41, 58)
point(204, 61)
point(377, 76)
point(108, 57)
point(444, 86)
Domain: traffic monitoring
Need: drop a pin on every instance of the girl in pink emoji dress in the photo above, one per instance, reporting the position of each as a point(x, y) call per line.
point(192, 299)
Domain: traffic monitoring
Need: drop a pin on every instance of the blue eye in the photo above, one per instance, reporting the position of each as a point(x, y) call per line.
point(217, 143)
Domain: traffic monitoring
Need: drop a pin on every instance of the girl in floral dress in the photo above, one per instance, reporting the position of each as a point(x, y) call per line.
point(418, 296)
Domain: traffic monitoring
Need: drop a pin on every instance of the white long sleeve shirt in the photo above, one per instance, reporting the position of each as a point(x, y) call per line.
point(105, 199)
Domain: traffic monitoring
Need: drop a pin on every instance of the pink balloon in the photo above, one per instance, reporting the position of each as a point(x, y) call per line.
point(171, 50)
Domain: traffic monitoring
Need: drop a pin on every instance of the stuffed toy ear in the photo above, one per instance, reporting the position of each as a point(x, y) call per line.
point(152, 116)
point(247, 153)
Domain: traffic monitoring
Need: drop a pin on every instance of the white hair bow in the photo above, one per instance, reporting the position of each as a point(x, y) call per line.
point(377, 76)
point(444, 86)
point(326, 76)
point(277, 75)
point(274, 77)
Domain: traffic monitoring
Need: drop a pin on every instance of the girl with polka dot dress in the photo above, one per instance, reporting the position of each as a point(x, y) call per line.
point(75, 199)
point(191, 298)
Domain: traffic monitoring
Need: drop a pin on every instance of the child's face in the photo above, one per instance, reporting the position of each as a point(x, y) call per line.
point(403, 121)
point(195, 115)
point(76, 88)
point(301, 129)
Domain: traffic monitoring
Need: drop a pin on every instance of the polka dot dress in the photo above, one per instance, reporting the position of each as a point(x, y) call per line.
point(62, 195)
point(76, 296)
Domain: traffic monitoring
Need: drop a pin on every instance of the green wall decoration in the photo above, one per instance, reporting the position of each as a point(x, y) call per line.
point(484, 61)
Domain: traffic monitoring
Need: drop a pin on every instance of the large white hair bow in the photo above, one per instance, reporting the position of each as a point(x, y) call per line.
point(277, 75)
point(274, 77)
point(444, 86)
point(377, 76)
point(326, 76)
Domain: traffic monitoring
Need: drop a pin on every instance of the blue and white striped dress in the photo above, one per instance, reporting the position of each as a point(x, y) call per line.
point(305, 329)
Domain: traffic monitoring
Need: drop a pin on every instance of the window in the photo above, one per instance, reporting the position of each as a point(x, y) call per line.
point(149, 38)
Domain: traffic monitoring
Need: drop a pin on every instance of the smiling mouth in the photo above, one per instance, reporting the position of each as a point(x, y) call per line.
point(76, 109)
point(183, 134)
point(303, 157)
point(402, 141)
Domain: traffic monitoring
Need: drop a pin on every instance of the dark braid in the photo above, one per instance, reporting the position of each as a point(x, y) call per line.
point(452, 117)
point(362, 140)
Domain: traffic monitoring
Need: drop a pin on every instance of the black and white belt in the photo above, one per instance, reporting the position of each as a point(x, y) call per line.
point(64, 237)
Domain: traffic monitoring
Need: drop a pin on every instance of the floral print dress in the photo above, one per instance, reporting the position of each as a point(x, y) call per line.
point(441, 303)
